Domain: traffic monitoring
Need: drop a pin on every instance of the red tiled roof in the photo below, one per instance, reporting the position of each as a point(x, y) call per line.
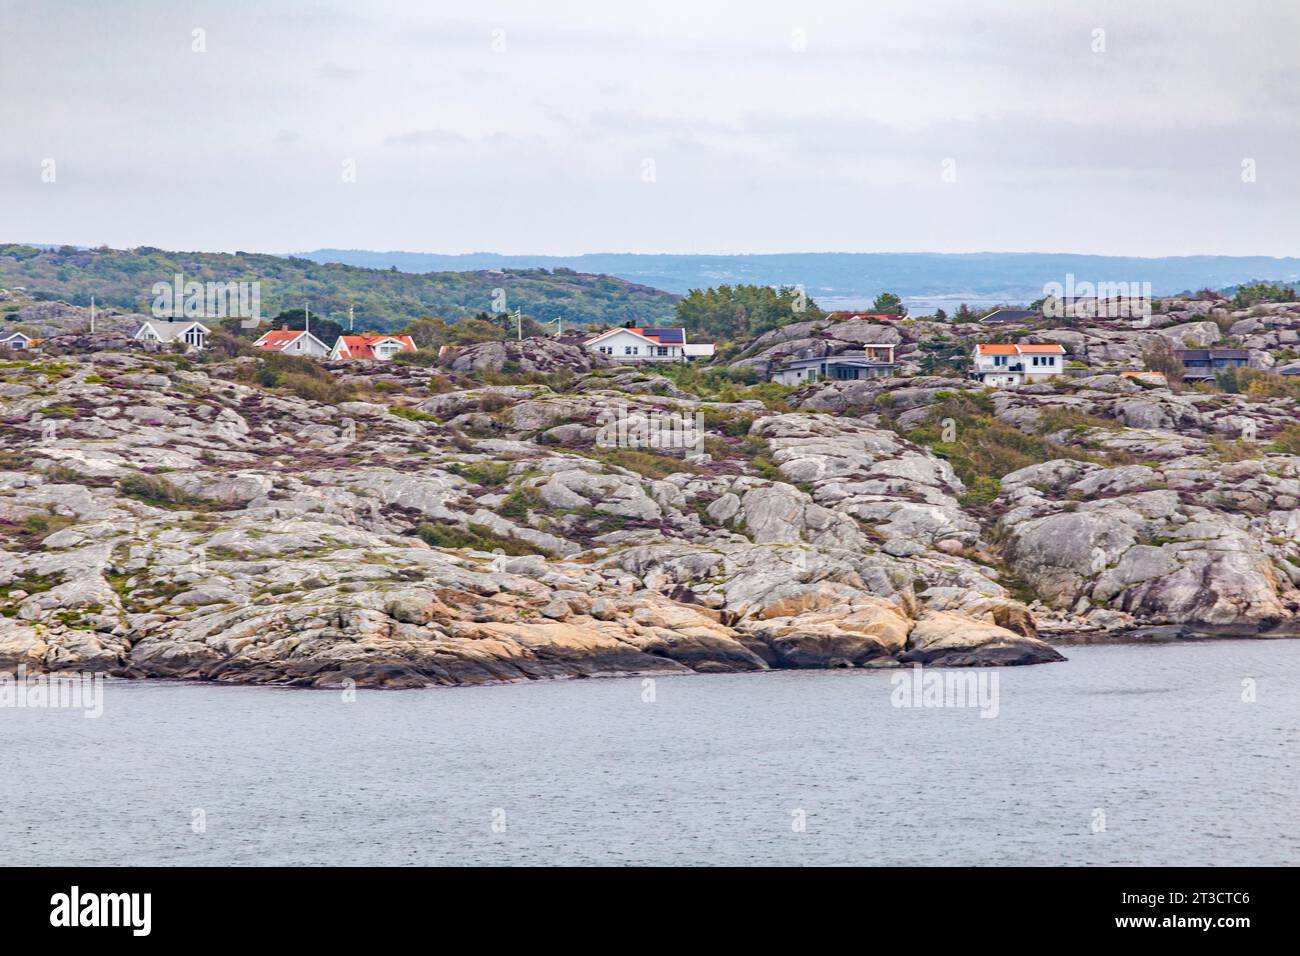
point(988, 349)
point(277, 339)
point(362, 346)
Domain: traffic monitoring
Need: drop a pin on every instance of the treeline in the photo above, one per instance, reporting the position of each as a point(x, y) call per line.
point(383, 300)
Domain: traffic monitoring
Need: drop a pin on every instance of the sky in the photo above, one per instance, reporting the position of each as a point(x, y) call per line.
point(1142, 127)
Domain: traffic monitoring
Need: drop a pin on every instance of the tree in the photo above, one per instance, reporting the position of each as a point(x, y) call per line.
point(742, 311)
point(428, 333)
point(1160, 356)
point(942, 356)
point(1256, 292)
point(327, 330)
point(888, 304)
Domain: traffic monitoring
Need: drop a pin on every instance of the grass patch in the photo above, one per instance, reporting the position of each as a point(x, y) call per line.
point(982, 449)
point(644, 463)
point(475, 537)
point(411, 414)
point(157, 491)
point(486, 474)
point(519, 502)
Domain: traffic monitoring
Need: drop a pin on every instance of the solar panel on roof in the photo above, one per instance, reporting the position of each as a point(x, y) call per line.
point(666, 336)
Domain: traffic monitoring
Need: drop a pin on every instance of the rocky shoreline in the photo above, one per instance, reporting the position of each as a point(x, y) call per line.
point(176, 519)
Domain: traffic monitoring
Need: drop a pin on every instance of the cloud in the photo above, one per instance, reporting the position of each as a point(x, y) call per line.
point(332, 71)
point(425, 137)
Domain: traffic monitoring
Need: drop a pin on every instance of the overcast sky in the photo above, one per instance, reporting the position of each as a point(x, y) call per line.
point(574, 126)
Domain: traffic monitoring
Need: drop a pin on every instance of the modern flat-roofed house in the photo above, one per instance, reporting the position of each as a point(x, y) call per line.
point(1010, 316)
point(375, 348)
point(876, 361)
point(647, 345)
point(185, 332)
point(289, 341)
point(1016, 364)
point(1204, 364)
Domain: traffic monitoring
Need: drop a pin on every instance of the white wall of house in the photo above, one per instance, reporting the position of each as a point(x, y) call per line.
point(1040, 367)
point(305, 344)
point(386, 349)
point(192, 334)
point(626, 346)
point(795, 376)
point(1000, 370)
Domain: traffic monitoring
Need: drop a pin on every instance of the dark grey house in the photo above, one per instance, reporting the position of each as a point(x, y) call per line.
point(1010, 316)
point(1204, 364)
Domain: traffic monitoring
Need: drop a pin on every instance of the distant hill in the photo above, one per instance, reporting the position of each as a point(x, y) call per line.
point(384, 299)
point(832, 276)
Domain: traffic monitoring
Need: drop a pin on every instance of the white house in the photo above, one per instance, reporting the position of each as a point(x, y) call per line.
point(17, 341)
point(371, 347)
point(999, 365)
point(648, 345)
point(292, 342)
point(186, 332)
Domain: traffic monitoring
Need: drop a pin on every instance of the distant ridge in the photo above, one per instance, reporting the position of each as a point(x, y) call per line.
point(990, 276)
point(384, 300)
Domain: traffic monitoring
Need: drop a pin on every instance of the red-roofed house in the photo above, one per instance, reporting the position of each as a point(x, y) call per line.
point(1016, 364)
point(371, 348)
point(292, 342)
point(648, 345)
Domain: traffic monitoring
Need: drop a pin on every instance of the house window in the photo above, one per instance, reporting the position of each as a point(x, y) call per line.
point(606, 350)
point(999, 360)
point(194, 337)
point(631, 350)
point(663, 350)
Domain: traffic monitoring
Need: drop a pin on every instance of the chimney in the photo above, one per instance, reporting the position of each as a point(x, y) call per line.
point(285, 327)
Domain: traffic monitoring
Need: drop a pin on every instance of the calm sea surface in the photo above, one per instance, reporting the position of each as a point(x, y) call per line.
point(1154, 742)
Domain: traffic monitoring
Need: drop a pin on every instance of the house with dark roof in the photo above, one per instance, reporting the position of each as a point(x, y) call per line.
point(632, 345)
point(1205, 364)
point(1010, 316)
point(875, 361)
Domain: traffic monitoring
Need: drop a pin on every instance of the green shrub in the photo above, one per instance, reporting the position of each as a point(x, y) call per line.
point(327, 391)
point(1288, 441)
point(475, 537)
point(154, 490)
point(411, 414)
point(519, 502)
point(486, 474)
